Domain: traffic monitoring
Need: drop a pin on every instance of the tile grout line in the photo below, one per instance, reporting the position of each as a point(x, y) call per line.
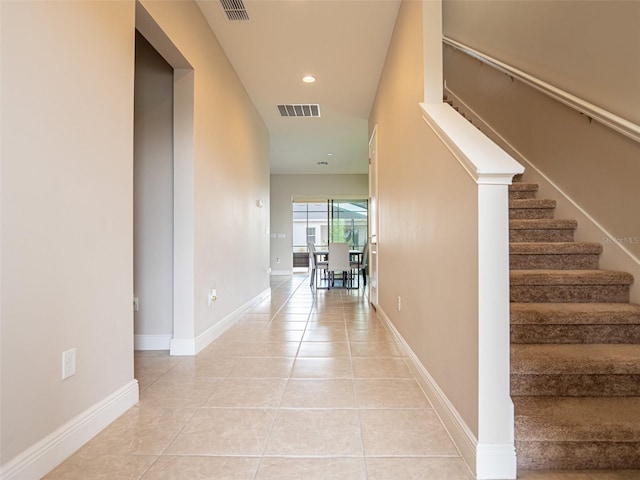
point(295, 358)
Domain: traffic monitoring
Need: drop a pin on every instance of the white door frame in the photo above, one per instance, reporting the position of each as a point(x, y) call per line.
point(374, 217)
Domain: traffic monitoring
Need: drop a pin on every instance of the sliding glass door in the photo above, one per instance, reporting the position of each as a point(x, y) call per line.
point(321, 223)
point(348, 222)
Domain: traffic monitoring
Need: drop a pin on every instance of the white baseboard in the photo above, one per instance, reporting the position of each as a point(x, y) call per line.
point(460, 433)
point(45, 455)
point(486, 461)
point(152, 342)
point(496, 461)
point(275, 273)
point(182, 347)
point(190, 347)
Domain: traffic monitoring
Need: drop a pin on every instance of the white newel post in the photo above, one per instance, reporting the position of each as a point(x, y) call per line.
point(492, 169)
point(495, 454)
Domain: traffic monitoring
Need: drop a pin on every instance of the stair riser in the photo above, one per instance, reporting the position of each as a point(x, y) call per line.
point(541, 236)
point(553, 262)
point(569, 293)
point(578, 455)
point(565, 385)
point(530, 213)
point(568, 334)
point(521, 194)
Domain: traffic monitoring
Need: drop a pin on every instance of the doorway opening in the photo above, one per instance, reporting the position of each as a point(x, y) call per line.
point(175, 81)
point(153, 199)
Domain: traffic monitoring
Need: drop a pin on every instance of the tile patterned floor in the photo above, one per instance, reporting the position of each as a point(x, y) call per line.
point(305, 386)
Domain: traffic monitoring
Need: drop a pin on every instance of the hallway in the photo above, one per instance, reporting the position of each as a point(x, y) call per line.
point(305, 386)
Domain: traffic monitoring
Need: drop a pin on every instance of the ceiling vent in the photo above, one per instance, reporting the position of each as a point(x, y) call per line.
point(235, 10)
point(299, 110)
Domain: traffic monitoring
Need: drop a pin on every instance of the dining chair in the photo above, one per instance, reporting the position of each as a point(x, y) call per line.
point(360, 265)
point(315, 264)
point(339, 262)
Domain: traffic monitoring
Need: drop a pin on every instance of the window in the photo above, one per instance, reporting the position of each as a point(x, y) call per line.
point(311, 235)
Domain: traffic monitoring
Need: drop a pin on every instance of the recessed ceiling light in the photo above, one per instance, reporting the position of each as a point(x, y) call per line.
point(330, 154)
point(308, 79)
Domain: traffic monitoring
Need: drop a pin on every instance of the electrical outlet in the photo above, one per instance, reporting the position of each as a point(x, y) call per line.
point(136, 304)
point(278, 260)
point(399, 303)
point(68, 363)
point(213, 296)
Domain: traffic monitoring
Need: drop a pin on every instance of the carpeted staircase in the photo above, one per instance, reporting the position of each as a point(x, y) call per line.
point(575, 346)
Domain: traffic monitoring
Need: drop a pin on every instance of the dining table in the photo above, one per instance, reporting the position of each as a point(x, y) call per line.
point(354, 256)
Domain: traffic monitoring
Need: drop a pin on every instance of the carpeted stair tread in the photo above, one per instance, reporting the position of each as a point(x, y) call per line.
point(575, 313)
point(554, 255)
point(555, 248)
point(541, 230)
point(542, 224)
point(564, 456)
point(569, 277)
point(589, 359)
point(523, 190)
point(522, 186)
point(523, 208)
point(574, 333)
point(580, 419)
point(532, 203)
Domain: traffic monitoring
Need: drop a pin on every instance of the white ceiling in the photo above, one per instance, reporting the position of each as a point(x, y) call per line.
point(343, 43)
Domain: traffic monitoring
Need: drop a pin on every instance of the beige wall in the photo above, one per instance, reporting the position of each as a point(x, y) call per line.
point(595, 167)
point(588, 48)
point(67, 198)
point(231, 170)
point(314, 187)
point(427, 247)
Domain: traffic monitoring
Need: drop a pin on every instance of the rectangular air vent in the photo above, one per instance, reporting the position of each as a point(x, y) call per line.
point(235, 10)
point(299, 110)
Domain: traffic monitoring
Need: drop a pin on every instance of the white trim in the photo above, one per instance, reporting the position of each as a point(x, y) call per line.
point(45, 455)
point(495, 461)
point(458, 430)
point(278, 273)
point(182, 347)
point(151, 342)
point(496, 421)
point(483, 160)
point(432, 50)
point(190, 347)
point(611, 120)
point(183, 204)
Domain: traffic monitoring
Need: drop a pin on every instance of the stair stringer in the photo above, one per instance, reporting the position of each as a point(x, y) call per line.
point(614, 255)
